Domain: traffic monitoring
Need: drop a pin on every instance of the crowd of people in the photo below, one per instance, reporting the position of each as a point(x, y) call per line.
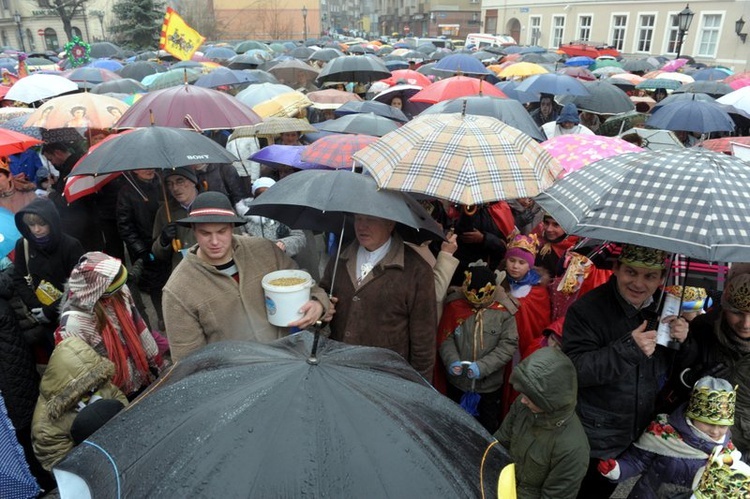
point(548, 339)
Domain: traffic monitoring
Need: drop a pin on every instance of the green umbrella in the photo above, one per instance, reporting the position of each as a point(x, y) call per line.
point(243, 47)
point(605, 63)
point(172, 78)
point(655, 83)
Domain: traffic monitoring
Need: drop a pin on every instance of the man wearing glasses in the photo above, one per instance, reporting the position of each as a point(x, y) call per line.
point(169, 238)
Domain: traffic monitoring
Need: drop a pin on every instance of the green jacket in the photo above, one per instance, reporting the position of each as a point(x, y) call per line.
point(74, 371)
point(550, 448)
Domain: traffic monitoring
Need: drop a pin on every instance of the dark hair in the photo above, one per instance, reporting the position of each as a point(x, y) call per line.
point(53, 147)
point(76, 108)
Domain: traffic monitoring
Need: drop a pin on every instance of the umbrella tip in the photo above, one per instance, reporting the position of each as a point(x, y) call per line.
point(463, 108)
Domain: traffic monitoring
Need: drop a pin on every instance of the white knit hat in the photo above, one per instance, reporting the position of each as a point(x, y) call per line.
point(263, 182)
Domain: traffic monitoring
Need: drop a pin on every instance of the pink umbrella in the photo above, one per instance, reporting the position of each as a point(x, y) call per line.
point(740, 83)
point(576, 151)
point(674, 65)
point(335, 151)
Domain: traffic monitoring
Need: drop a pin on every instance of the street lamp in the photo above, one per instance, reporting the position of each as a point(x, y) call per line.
point(739, 24)
point(304, 21)
point(684, 18)
point(17, 20)
point(100, 15)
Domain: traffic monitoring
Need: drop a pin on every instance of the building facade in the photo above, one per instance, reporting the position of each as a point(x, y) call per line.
point(267, 19)
point(635, 27)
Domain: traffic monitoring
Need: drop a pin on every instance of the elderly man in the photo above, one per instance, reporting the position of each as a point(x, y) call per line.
point(620, 369)
point(170, 239)
point(215, 293)
point(385, 295)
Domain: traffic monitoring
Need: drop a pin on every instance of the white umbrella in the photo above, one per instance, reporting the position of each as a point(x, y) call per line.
point(739, 99)
point(656, 140)
point(40, 86)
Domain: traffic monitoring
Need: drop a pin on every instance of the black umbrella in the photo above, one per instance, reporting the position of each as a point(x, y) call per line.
point(243, 419)
point(152, 147)
point(509, 111)
point(605, 98)
point(325, 55)
point(122, 86)
point(302, 53)
point(363, 123)
point(713, 88)
point(353, 68)
point(638, 65)
point(104, 49)
point(262, 76)
point(371, 106)
point(140, 69)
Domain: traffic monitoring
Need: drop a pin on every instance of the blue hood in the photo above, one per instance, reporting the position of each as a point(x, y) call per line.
point(569, 113)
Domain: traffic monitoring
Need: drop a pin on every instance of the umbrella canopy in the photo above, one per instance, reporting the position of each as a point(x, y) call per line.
point(294, 72)
point(521, 70)
point(409, 77)
point(277, 156)
point(464, 159)
point(105, 49)
point(454, 87)
point(675, 97)
point(302, 53)
point(375, 107)
point(709, 74)
point(108, 64)
point(347, 418)
point(140, 69)
point(605, 63)
point(656, 140)
point(655, 83)
point(405, 92)
point(360, 123)
point(691, 201)
point(154, 147)
point(225, 77)
point(9, 113)
point(724, 144)
point(739, 99)
point(336, 151)
point(674, 65)
point(692, 115)
point(121, 86)
point(508, 111)
point(608, 71)
point(554, 84)
point(283, 105)
point(87, 77)
point(325, 55)
point(580, 72)
point(681, 77)
point(713, 88)
point(604, 98)
point(580, 60)
point(84, 110)
point(331, 98)
point(179, 106)
point(461, 64)
point(40, 86)
point(172, 78)
point(14, 142)
point(576, 151)
point(219, 53)
point(243, 47)
point(258, 94)
point(638, 65)
point(510, 89)
point(353, 68)
point(277, 125)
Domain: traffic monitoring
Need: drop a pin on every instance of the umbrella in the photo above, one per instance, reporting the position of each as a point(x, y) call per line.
point(576, 151)
point(353, 68)
point(336, 151)
point(691, 115)
point(331, 98)
point(580, 72)
point(608, 71)
point(408, 76)
point(84, 110)
point(87, 77)
point(277, 156)
point(674, 65)
point(554, 84)
point(78, 186)
point(325, 55)
point(105, 49)
point(724, 144)
point(691, 201)
point(140, 69)
point(302, 53)
point(739, 99)
point(322, 200)
point(276, 126)
point(738, 80)
point(638, 65)
point(521, 70)
point(108, 64)
point(12, 142)
point(9, 113)
point(454, 87)
point(375, 107)
point(681, 77)
point(15, 478)
point(243, 47)
point(224, 77)
point(260, 93)
point(464, 159)
point(461, 64)
point(219, 53)
point(186, 106)
point(509, 88)
point(40, 86)
point(655, 83)
point(361, 123)
point(605, 63)
point(345, 416)
point(605, 98)
point(172, 78)
point(262, 76)
point(294, 72)
point(713, 88)
point(675, 97)
point(709, 74)
point(508, 111)
point(121, 86)
point(580, 60)
point(656, 140)
point(154, 147)
point(405, 92)
point(614, 125)
point(284, 105)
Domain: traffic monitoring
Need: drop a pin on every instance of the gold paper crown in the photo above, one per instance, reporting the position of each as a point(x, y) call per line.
point(691, 293)
point(642, 257)
point(712, 404)
point(528, 243)
point(478, 297)
point(724, 477)
point(736, 296)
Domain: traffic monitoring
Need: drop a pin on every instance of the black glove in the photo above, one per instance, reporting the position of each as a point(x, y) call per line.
point(168, 234)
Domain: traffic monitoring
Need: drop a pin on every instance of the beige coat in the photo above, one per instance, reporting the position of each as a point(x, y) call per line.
point(202, 305)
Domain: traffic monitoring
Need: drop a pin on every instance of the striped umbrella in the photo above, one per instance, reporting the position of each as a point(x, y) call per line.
point(336, 151)
point(464, 159)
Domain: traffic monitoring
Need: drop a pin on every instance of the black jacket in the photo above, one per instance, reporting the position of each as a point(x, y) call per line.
point(617, 382)
point(51, 262)
point(222, 178)
point(135, 215)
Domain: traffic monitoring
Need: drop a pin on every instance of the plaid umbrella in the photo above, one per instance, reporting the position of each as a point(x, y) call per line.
point(465, 159)
point(276, 126)
point(576, 151)
point(691, 201)
point(336, 151)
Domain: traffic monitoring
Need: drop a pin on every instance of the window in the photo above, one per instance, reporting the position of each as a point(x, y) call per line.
point(535, 33)
point(76, 32)
point(645, 32)
point(558, 30)
point(619, 24)
point(709, 35)
point(30, 39)
point(584, 28)
point(50, 39)
point(673, 34)
point(4, 37)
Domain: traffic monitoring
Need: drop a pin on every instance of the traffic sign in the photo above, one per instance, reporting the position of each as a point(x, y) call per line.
point(40, 32)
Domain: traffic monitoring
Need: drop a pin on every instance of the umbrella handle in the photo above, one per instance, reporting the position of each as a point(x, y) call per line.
point(176, 245)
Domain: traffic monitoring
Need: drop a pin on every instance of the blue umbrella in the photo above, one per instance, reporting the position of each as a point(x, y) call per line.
point(17, 125)
point(534, 49)
point(225, 76)
point(510, 88)
point(580, 60)
point(513, 49)
point(709, 74)
point(394, 65)
point(8, 232)
point(461, 63)
point(470, 400)
point(108, 64)
point(277, 156)
point(222, 53)
point(692, 115)
point(15, 478)
point(554, 84)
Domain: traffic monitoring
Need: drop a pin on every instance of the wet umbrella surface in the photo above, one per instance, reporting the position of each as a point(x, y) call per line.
point(242, 419)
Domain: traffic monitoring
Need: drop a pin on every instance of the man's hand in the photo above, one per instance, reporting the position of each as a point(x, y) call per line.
point(311, 310)
point(168, 234)
point(331, 310)
point(451, 245)
point(473, 237)
point(678, 327)
point(646, 340)
point(281, 245)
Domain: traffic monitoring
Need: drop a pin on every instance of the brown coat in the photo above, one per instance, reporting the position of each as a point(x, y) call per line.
point(393, 308)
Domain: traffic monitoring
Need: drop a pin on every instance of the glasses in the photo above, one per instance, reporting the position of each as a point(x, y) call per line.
point(178, 182)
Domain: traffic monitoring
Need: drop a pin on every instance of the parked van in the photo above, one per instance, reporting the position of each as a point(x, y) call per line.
point(478, 41)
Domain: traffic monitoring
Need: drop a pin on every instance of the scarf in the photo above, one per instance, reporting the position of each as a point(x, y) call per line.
point(740, 344)
point(532, 278)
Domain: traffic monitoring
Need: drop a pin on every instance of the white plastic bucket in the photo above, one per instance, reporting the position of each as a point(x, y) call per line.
point(283, 302)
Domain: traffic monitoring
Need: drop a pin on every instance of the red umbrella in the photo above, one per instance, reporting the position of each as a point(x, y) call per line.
point(189, 107)
point(13, 142)
point(724, 144)
point(409, 76)
point(577, 72)
point(455, 87)
point(78, 186)
point(335, 151)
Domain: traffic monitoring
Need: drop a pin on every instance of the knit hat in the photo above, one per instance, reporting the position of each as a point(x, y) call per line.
point(569, 114)
point(712, 402)
point(736, 296)
point(524, 247)
point(262, 182)
point(479, 284)
point(183, 171)
point(642, 257)
point(92, 417)
point(212, 207)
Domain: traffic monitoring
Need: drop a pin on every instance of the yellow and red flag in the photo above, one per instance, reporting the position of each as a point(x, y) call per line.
point(178, 38)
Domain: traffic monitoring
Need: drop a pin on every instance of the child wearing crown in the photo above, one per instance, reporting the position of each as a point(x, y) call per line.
point(675, 446)
point(480, 338)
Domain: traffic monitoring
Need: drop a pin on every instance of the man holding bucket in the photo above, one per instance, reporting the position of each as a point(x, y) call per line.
point(215, 293)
